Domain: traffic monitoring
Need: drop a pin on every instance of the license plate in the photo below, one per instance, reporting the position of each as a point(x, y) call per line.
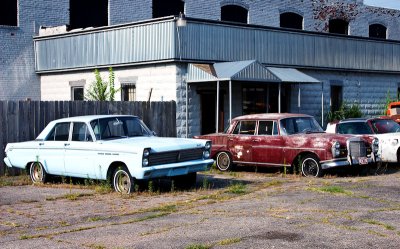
point(362, 160)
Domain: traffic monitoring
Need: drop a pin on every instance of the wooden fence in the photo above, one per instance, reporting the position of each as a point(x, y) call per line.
point(24, 120)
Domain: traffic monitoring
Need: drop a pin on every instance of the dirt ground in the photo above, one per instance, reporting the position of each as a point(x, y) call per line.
point(248, 208)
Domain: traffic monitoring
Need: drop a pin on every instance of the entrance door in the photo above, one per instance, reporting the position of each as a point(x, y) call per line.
point(208, 115)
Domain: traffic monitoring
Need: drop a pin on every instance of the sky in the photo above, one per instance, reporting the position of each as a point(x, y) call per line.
point(391, 4)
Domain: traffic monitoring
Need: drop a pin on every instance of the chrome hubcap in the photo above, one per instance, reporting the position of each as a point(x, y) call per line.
point(122, 182)
point(223, 161)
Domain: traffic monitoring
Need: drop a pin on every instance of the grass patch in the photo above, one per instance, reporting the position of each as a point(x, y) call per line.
point(231, 241)
point(14, 180)
point(273, 183)
point(378, 223)
point(198, 246)
point(93, 219)
point(237, 188)
point(332, 190)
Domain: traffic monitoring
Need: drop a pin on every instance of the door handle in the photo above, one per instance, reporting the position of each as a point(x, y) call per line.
point(256, 140)
point(41, 143)
point(66, 144)
point(230, 139)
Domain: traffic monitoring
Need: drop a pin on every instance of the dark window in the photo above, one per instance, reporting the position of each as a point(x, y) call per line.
point(88, 13)
point(291, 20)
point(167, 8)
point(9, 13)
point(234, 13)
point(381, 126)
point(377, 31)
point(267, 128)
point(128, 92)
point(338, 26)
point(77, 93)
point(80, 132)
point(60, 132)
point(336, 97)
point(245, 128)
point(254, 100)
point(354, 128)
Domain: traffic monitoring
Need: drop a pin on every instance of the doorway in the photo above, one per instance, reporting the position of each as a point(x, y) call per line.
point(208, 107)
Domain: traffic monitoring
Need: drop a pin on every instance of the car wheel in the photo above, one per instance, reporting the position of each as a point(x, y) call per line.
point(224, 161)
point(310, 166)
point(123, 182)
point(37, 173)
point(185, 181)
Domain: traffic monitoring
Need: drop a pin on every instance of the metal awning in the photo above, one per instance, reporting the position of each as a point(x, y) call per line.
point(250, 70)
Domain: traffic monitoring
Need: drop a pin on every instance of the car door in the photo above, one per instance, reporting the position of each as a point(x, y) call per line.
point(80, 153)
point(267, 145)
point(51, 149)
point(240, 141)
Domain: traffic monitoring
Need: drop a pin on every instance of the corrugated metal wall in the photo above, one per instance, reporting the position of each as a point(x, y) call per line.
point(146, 42)
point(212, 41)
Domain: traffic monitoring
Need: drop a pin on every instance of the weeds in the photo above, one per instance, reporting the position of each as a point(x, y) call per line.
point(237, 188)
point(198, 246)
point(378, 223)
point(231, 241)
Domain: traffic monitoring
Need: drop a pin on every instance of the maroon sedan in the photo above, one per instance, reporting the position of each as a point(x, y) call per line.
point(290, 140)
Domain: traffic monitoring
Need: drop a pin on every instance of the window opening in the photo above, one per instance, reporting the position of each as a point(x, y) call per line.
point(291, 20)
point(77, 93)
point(88, 13)
point(338, 26)
point(167, 8)
point(60, 132)
point(9, 13)
point(234, 13)
point(377, 31)
point(128, 92)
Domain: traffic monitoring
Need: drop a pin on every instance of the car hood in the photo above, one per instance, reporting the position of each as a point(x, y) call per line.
point(318, 140)
point(158, 144)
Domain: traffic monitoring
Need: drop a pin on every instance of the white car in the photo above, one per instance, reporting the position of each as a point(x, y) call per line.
point(117, 148)
point(385, 129)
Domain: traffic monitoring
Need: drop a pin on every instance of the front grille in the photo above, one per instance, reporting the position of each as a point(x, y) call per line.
point(175, 156)
point(357, 149)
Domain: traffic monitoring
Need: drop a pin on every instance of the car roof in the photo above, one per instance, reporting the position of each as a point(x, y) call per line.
point(89, 118)
point(349, 120)
point(270, 116)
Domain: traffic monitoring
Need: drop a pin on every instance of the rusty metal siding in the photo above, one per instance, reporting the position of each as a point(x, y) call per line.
point(209, 41)
point(141, 43)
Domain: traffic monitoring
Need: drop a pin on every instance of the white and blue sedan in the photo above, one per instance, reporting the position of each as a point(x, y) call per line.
point(117, 148)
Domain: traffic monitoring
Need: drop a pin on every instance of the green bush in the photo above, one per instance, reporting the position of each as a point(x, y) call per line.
point(345, 111)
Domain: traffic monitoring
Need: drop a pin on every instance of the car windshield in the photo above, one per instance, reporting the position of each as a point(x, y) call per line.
point(295, 125)
point(119, 127)
point(359, 128)
point(381, 126)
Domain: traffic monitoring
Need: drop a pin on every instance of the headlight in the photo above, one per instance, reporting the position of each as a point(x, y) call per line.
point(375, 145)
point(336, 149)
point(145, 158)
point(207, 150)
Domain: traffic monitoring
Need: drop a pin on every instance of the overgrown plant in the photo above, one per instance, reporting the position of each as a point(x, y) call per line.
point(388, 100)
point(345, 111)
point(101, 90)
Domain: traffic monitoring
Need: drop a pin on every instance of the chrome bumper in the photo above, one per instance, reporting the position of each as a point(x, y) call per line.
point(347, 162)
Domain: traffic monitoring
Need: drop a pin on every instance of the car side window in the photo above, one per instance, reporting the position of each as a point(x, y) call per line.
point(266, 128)
point(245, 128)
point(60, 132)
point(80, 132)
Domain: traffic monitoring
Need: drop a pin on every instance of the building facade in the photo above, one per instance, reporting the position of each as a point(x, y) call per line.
point(351, 49)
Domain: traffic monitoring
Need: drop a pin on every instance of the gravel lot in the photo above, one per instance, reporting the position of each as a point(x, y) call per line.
point(243, 209)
